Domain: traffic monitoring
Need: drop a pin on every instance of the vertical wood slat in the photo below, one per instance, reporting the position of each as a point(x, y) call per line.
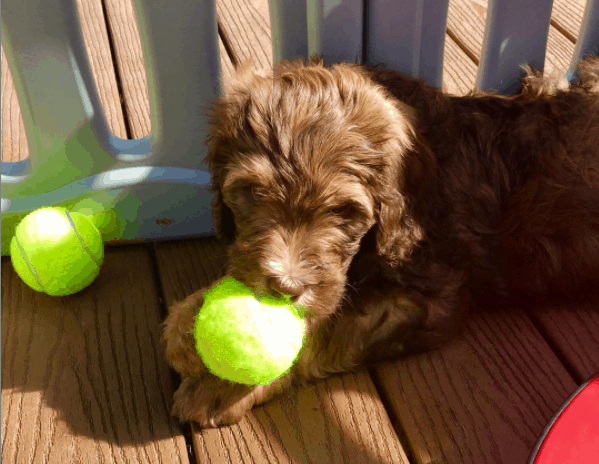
point(95, 35)
point(566, 16)
point(588, 37)
point(129, 59)
point(14, 138)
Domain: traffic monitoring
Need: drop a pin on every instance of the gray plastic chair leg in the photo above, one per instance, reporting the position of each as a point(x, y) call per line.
point(160, 183)
point(407, 35)
point(515, 34)
point(329, 28)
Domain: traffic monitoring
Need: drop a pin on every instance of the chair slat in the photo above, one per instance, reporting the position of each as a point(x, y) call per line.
point(156, 183)
point(407, 36)
point(332, 29)
point(515, 34)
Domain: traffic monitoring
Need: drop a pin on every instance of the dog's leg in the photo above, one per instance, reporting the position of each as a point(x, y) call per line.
point(212, 402)
point(203, 397)
point(332, 345)
point(382, 323)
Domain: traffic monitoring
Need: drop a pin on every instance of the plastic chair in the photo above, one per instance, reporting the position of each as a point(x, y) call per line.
point(159, 185)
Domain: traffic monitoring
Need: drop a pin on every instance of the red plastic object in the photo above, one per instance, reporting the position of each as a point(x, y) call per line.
point(572, 436)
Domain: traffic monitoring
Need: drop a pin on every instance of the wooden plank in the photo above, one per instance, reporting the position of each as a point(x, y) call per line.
point(459, 72)
point(14, 140)
point(573, 332)
point(226, 65)
point(566, 16)
point(130, 62)
point(483, 398)
point(466, 22)
point(128, 55)
point(83, 376)
point(558, 55)
point(338, 420)
point(246, 26)
point(95, 35)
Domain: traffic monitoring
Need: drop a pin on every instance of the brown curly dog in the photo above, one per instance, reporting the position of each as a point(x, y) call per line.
point(389, 209)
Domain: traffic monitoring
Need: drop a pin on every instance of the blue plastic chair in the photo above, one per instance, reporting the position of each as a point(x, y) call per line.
point(159, 185)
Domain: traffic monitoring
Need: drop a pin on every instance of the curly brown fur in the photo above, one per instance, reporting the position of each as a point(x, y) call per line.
point(388, 208)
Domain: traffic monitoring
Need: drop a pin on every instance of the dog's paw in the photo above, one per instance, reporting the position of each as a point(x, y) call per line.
point(178, 336)
point(212, 402)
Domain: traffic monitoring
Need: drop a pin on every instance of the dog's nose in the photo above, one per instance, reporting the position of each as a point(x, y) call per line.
point(287, 286)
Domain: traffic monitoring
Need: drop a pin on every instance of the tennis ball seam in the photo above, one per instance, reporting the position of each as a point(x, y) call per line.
point(79, 237)
point(83, 244)
point(26, 258)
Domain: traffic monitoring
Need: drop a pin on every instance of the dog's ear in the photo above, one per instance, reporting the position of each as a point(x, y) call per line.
point(226, 122)
point(402, 203)
point(222, 216)
point(397, 233)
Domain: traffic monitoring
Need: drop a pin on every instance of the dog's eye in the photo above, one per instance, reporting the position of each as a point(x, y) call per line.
point(249, 193)
point(344, 211)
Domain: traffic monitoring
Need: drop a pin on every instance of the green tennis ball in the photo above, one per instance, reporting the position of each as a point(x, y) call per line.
point(56, 251)
point(245, 340)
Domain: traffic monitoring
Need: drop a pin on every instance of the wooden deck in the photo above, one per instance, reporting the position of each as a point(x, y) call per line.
point(84, 378)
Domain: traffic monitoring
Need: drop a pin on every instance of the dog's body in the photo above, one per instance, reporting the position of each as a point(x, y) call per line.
point(387, 208)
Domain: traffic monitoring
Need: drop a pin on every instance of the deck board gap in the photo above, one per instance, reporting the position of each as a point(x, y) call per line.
point(460, 43)
point(175, 377)
point(563, 31)
point(117, 71)
point(395, 422)
point(188, 435)
point(157, 280)
point(555, 347)
point(227, 44)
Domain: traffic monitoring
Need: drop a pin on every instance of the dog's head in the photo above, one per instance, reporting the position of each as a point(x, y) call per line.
point(304, 162)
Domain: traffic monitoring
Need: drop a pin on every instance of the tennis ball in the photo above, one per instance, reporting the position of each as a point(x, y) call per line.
point(56, 251)
point(245, 340)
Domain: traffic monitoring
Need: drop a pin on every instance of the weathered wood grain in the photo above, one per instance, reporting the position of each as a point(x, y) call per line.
point(573, 333)
point(459, 72)
point(246, 26)
point(128, 55)
point(93, 26)
point(466, 21)
point(13, 137)
point(566, 16)
point(483, 398)
point(84, 377)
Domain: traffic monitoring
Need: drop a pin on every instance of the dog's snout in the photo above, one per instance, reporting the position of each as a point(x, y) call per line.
point(277, 285)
